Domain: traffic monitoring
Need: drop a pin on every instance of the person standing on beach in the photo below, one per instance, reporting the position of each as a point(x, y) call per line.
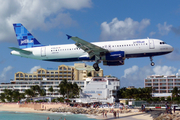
point(174, 108)
point(166, 108)
point(103, 113)
point(106, 114)
point(118, 113)
point(142, 107)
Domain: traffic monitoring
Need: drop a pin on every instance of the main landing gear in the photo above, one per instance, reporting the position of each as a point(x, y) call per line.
point(96, 66)
point(152, 63)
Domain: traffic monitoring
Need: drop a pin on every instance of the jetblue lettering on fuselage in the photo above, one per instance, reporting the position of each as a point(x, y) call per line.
point(138, 42)
point(26, 41)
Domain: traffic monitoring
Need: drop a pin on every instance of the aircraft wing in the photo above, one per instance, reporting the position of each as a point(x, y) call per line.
point(91, 49)
point(21, 50)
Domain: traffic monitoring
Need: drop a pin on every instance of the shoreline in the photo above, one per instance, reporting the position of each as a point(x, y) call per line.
point(131, 115)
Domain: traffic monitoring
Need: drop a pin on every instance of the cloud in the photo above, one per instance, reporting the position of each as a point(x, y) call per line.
point(175, 55)
point(164, 70)
point(5, 73)
point(176, 30)
point(34, 69)
point(123, 29)
point(164, 29)
point(134, 76)
point(130, 70)
point(152, 33)
point(41, 14)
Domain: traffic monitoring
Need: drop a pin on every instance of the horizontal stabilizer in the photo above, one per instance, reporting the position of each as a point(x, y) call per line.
point(21, 51)
point(68, 36)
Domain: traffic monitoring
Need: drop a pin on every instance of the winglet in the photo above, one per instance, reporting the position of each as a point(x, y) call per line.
point(68, 36)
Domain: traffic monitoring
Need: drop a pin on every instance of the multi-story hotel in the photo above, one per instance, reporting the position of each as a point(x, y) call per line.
point(47, 78)
point(162, 84)
point(79, 71)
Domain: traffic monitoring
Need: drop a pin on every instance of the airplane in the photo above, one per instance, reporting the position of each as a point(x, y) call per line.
point(111, 53)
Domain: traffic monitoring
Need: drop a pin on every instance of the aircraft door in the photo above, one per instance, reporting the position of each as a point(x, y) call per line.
point(43, 51)
point(151, 44)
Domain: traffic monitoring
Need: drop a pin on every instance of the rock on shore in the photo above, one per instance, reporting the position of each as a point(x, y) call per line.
point(164, 116)
point(80, 110)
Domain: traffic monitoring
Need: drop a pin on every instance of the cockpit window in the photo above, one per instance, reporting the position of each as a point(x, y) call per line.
point(162, 43)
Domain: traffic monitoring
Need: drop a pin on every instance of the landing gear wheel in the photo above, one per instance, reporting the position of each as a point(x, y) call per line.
point(152, 64)
point(97, 69)
point(96, 66)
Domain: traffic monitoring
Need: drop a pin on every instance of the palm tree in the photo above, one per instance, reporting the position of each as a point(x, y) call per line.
point(75, 90)
point(175, 91)
point(68, 89)
point(2, 97)
point(62, 87)
point(8, 95)
point(42, 92)
point(51, 90)
point(29, 92)
point(16, 96)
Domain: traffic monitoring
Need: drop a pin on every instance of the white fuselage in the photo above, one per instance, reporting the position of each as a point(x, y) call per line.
point(70, 52)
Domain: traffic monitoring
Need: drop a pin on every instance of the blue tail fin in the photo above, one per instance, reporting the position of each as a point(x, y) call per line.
point(24, 37)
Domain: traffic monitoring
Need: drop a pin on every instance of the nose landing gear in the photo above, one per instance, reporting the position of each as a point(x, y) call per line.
point(152, 63)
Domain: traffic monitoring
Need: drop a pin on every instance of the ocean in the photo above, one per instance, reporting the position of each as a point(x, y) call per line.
point(41, 116)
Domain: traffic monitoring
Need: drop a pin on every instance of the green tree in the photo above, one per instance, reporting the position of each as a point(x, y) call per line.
point(68, 89)
point(42, 92)
point(8, 95)
point(89, 74)
point(51, 90)
point(175, 92)
point(75, 90)
point(2, 97)
point(168, 98)
point(120, 92)
point(16, 96)
point(162, 99)
point(30, 92)
point(62, 87)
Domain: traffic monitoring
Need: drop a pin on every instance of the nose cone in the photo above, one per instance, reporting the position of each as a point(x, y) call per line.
point(171, 48)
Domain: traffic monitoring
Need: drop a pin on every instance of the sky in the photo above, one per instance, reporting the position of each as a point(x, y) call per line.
point(92, 20)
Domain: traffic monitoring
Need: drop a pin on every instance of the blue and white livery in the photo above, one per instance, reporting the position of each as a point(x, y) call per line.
point(111, 53)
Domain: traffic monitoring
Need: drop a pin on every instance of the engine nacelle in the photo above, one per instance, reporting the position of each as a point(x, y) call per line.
point(114, 56)
point(113, 63)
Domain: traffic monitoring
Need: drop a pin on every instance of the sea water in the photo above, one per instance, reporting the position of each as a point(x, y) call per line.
point(40, 116)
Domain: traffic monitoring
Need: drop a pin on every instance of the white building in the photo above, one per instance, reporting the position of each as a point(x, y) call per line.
point(22, 85)
point(162, 85)
point(100, 89)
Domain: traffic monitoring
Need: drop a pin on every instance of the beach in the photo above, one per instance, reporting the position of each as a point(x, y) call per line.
point(133, 115)
point(15, 108)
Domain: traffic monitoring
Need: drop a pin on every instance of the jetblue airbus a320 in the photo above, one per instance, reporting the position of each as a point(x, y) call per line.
point(111, 53)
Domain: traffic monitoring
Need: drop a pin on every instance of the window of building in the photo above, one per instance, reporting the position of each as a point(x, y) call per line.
point(43, 72)
point(17, 75)
point(65, 68)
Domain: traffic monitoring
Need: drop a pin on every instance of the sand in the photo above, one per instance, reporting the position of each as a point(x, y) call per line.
point(134, 115)
point(15, 108)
